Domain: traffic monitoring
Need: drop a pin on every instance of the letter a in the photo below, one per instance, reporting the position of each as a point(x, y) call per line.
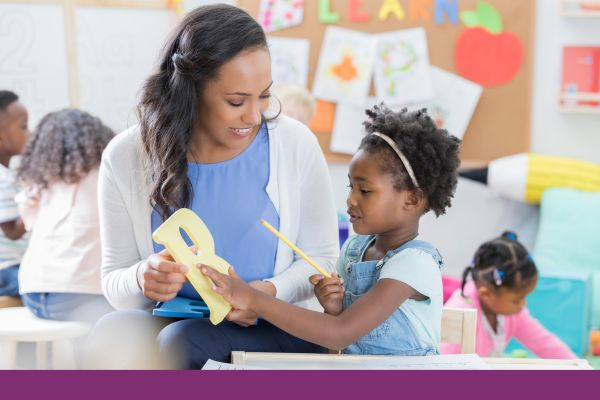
point(391, 6)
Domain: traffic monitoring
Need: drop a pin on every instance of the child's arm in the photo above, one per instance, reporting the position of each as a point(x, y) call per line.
point(538, 339)
point(333, 332)
point(16, 227)
point(13, 229)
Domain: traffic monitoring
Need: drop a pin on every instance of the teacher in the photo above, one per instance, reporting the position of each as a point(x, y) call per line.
point(206, 140)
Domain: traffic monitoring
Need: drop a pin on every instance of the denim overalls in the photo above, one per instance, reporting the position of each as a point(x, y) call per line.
point(395, 336)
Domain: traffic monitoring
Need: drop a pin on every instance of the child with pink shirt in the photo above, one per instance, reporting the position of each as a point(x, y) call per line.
point(503, 275)
point(59, 277)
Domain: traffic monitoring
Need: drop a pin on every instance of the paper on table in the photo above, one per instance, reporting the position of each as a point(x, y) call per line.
point(212, 365)
point(349, 362)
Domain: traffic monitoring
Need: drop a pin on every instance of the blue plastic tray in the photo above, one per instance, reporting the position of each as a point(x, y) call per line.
point(182, 307)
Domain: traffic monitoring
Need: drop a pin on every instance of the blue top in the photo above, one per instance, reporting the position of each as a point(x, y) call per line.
point(230, 197)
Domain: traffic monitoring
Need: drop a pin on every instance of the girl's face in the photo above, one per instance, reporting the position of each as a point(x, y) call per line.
point(232, 105)
point(374, 206)
point(506, 301)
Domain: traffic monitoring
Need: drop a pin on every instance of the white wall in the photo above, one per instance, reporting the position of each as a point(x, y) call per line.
point(553, 132)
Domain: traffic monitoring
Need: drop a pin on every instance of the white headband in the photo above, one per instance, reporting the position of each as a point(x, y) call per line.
point(403, 159)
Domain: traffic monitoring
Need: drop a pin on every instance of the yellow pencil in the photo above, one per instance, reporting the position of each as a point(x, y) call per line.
point(296, 249)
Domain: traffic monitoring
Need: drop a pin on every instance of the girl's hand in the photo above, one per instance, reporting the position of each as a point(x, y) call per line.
point(329, 292)
point(160, 277)
point(234, 290)
point(248, 318)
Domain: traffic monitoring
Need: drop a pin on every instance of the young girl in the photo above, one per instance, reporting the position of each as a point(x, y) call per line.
point(503, 275)
point(60, 272)
point(386, 297)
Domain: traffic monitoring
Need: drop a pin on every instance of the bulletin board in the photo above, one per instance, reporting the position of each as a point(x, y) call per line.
point(501, 122)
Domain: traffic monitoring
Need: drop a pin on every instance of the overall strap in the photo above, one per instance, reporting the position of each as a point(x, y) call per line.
point(419, 245)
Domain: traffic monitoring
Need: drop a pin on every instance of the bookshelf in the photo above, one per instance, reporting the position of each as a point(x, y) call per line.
point(580, 8)
point(580, 87)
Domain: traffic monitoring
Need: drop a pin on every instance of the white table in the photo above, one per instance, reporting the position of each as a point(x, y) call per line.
point(344, 361)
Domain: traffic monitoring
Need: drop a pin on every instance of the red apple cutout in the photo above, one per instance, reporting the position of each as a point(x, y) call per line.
point(483, 53)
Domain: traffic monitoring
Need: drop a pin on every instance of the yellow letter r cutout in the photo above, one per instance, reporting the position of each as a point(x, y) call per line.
point(169, 235)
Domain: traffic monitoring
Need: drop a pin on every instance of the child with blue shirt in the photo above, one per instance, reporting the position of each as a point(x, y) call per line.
point(13, 135)
point(386, 297)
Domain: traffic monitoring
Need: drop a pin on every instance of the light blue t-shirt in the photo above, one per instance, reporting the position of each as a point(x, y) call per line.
point(418, 269)
point(417, 264)
point(230, 197)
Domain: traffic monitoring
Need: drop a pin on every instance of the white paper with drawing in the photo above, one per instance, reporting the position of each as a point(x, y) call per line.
point(345, 66)
point(348, 128)
point(274, 15)
point(402, 71)
point(289, 60)
point(33, 57)
point(212, 365)
point(454, 103)
point(350, 362)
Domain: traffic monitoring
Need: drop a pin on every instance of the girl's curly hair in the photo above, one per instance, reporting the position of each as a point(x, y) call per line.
point(65, 146)
point(431, 152)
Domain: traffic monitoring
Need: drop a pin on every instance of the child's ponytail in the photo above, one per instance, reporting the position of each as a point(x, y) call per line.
point(465, 275)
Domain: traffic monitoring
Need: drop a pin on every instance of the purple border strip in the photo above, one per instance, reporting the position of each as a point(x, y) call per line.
point(305, 385)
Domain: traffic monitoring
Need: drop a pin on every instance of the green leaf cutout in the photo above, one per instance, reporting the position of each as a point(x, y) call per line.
point(469, 18)
point(489, 17)
point(485, 16)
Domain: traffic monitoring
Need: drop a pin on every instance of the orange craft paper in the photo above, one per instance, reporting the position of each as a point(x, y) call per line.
point(322, 121)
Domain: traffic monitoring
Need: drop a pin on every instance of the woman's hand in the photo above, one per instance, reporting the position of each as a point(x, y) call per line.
point(329, 292)
point(236, 292)
point(160, 277)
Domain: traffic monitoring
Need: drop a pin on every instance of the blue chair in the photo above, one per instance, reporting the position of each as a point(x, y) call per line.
point(343, 228)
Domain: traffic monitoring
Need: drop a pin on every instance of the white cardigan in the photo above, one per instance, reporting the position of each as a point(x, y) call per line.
point(299, 187)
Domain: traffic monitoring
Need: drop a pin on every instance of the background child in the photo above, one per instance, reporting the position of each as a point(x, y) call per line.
point(13, 135)
point(60, 272)
point(296, 102)
point(391, 298)
point(503, 275)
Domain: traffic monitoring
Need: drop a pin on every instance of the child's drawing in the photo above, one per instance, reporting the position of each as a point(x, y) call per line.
point(345, 66)
point(289, 60)
point(454, 101)
point(280, 14)
point(402, 74)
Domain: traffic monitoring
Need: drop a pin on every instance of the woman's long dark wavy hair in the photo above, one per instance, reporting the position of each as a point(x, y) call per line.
point(65, 146)
point(206, 39)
